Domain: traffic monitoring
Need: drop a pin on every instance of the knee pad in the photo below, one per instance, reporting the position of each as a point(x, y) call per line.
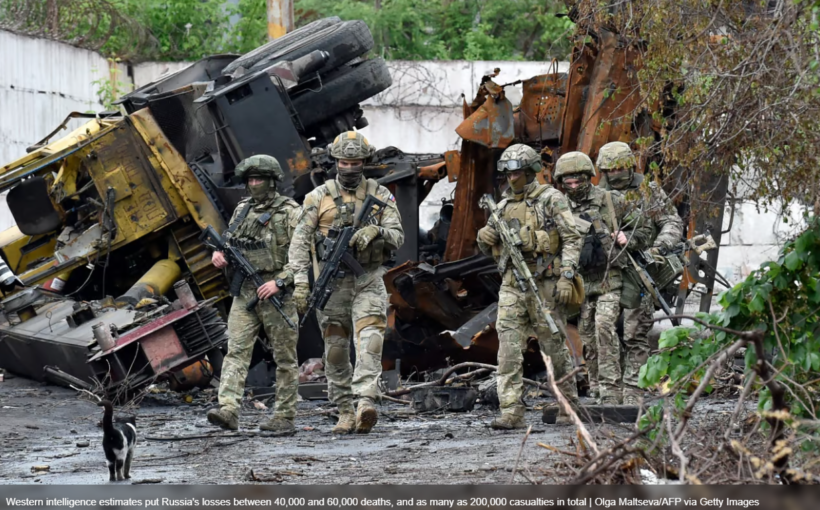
point(372, 339)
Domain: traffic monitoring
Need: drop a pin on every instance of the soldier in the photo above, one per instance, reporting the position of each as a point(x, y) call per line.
point(358, 305)
point(551, 244)
point(595, 211)
point(261, 228)
point(617, 164)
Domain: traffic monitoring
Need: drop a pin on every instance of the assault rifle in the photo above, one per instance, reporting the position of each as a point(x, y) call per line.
point(639, 262)
point(244, 268)
point(699, 244)
point(336, 251)
point(512, 242)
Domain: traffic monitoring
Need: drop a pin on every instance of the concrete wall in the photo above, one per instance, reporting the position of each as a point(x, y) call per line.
point(43, 81)
point(423, 107)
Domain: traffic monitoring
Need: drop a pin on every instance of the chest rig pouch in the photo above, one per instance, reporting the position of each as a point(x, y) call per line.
point(597, 243)
point(262, 236)
point(377, 252)
point(529, 213)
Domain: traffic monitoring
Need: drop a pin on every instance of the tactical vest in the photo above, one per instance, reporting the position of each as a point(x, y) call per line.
point(600, 229)
point(345, 207)
point(532, 213)
point(262, 235)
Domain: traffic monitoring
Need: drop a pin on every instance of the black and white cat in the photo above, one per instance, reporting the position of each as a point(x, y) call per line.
point(119, 442)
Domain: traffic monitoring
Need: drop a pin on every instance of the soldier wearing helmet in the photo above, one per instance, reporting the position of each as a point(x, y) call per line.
point(608, 226)
point(261, 228)
point(617, 165)
point(358, 306)
point(551, 244)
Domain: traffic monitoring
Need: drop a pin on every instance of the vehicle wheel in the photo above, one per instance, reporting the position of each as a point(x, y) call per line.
point(362, 82)
point(343, 42)
point(252, 57)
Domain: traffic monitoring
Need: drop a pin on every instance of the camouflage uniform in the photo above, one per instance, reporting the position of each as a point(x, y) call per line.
point(602, 283)
point(358, 305)
point(551, 244)
point(667, 230)
point(262, 230)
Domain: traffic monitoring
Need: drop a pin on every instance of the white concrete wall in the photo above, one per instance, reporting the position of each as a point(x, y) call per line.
point(42, 81)
point(423, 107)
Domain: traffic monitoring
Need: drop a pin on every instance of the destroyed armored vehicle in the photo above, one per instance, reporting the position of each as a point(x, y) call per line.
point(109, 284)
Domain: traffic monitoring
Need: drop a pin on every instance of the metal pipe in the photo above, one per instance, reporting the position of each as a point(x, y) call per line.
point(156, 282)
point(102, 334)
point(185, 294)
point(280, 18)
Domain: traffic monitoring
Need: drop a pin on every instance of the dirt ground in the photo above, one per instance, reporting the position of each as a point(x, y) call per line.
point(53, 426)
point(43, 425)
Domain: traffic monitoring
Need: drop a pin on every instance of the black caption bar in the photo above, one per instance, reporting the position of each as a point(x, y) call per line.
point(129, 497)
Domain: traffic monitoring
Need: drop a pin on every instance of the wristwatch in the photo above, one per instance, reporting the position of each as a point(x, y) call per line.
point(280, 283)
point(569, 274)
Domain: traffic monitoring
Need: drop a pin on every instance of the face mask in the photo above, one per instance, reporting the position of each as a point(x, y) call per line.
point(518, 184)
point(350, 177)
point(620, 179)
point(260, 191)
point(579, 192)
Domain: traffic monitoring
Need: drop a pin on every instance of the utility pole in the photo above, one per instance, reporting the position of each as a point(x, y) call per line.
point(280, 18)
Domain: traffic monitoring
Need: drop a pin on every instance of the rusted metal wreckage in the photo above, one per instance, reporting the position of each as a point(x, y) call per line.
point(116, 207)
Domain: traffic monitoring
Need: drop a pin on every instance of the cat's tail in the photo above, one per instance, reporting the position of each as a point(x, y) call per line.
point(108, 417)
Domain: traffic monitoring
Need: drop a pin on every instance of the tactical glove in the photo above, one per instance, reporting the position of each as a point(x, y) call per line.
point(300, 297)
point(364, 236)
point(488, 236)
point(563, 290)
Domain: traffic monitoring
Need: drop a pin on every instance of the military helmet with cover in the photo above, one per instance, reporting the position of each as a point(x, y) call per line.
point(614, 156)
point(259, 165)
point(573, 163)
point(351, 145)
point(517, 157)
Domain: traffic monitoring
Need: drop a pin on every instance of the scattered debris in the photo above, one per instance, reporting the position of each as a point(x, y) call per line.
point(312, 370)
point(147, 481)
point(275, 476)
point(455, 399)
point(82, 444)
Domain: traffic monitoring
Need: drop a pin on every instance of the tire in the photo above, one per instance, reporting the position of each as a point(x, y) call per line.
point(252, 57)
point(361, 82)
point(343, 42)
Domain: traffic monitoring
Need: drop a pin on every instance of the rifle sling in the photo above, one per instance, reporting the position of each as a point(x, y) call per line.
point(239, 218)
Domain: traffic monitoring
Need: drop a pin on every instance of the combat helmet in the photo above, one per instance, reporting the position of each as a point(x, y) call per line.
point(351, 145)
point(615, 155)
point(573, 163)
point(518, 156)
point(259, 165)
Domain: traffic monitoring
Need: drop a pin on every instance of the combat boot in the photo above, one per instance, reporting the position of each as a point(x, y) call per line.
point(346, 423)
point(223, 418)
point(366, 417)
point(279, 426)
point(608, 400)
point(632, 400)
point(563, 417)
point(508, 421)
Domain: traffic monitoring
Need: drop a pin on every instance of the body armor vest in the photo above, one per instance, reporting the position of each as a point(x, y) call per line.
point(338, 210)
point(259, 231)
point(530, 212)
point(598, 238)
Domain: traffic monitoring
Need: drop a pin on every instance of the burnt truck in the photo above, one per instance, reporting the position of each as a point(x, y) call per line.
point(108, 286)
